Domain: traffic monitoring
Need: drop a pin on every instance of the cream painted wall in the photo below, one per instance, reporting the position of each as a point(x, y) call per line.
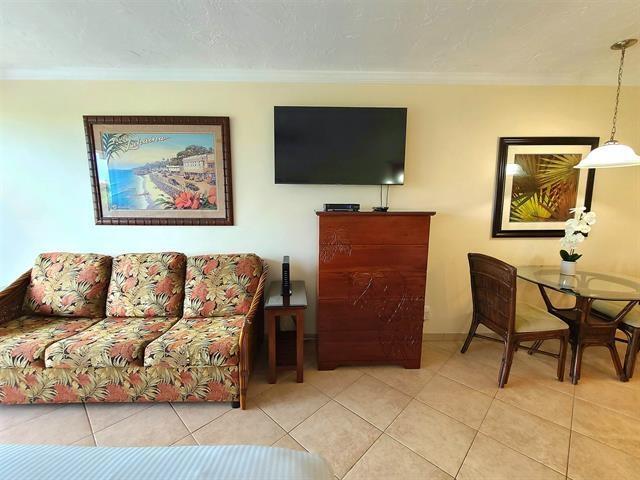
point(450, 167)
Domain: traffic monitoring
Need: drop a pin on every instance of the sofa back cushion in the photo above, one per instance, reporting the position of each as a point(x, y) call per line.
point(146, 285)
point(221, 285)
point(68, 284)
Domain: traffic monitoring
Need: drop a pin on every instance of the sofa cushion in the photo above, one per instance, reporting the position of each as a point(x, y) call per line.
point(146, 285)
point(112, 342)
point(200, 341)
point(23, 340)
point(219, 285)
point(68, 284)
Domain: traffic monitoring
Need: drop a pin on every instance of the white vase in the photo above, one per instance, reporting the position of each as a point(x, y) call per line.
point(567, 268)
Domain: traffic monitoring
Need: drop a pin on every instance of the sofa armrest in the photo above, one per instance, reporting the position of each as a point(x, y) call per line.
point(11, 298)
point(257, 301)
point(252, 335)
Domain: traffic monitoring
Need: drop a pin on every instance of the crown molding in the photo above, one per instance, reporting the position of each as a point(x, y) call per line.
point(301, 76)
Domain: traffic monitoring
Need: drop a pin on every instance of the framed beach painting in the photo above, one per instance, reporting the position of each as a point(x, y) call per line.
point(537, 186)
point(160, 170)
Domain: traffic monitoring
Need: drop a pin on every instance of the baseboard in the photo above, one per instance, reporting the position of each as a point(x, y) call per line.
point(443, 337)
point(426, 337)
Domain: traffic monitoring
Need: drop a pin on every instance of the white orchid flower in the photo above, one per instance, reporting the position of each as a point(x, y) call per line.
point(578, 209)
point(590, 218)
point(571, 222)
point(571, 226)
point(568, 242)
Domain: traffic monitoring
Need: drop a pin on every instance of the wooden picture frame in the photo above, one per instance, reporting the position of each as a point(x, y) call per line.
point(160, 170)
point(536, 185)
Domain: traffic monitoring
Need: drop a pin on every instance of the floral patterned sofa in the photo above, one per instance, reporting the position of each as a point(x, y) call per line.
point(149, 327)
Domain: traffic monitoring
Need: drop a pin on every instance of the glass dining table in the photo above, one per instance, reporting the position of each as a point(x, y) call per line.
point(588, 327)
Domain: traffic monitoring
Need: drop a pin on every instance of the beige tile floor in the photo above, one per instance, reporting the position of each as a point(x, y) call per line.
point(446, 420)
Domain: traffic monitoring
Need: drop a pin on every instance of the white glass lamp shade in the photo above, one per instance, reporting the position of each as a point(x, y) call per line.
point(611, 154)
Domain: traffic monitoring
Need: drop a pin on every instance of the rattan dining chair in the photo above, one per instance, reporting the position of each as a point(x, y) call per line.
point(493, 292)
point(630, 326)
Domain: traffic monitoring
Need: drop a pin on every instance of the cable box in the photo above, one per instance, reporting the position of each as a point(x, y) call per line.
point(341, 207)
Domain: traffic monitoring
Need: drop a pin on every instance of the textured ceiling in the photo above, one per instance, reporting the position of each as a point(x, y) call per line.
point(465, 41)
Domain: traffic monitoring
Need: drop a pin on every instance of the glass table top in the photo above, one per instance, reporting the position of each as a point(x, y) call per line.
point(596, 285)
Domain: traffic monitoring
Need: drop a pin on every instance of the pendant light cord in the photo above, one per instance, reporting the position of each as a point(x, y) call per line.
point(615, 110)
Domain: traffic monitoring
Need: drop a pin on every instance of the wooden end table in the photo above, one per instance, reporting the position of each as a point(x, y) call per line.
point(286, 349)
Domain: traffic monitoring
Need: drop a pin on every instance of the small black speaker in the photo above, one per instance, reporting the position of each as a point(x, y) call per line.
point(286, 278)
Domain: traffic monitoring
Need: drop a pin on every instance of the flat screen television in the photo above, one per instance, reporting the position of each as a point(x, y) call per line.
point(340, 145)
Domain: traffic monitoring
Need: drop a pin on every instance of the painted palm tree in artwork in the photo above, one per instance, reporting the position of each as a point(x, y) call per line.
point(113, 144)
point(546, 189)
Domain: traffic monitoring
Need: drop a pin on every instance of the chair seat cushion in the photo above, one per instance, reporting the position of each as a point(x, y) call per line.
point(146, 285)
point(23, 340)
point(68, 284)
point(112, 342)
point(611, 309)
point(198, 342)
point(534, 319)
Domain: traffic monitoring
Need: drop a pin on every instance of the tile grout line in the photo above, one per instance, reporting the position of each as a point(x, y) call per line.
point(301, 421)
point(617, 412)
point(93, 435)
point(608, 446)
point(633, 455)
point(149, 405)
point(346, 386)
point(57, 406)
point(474, 437)
point(448, 415)
point(382, 432)
point(363, 454)
point(533, 414)
point(573, 406)
point(414, 451)
point(518, 451)
point(209, 423)
point(185, 426)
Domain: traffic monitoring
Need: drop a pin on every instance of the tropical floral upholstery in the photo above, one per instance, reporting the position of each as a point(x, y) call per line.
point(23, 340)
point(109, 331)
point(220, 285)
point(68, 284)
point(110, 384)
point(197, 342)
point(146, 285)
point(112, 342)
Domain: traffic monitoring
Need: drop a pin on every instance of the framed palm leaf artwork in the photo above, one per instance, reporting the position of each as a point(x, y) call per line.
point(160, 170)
point(537, 185)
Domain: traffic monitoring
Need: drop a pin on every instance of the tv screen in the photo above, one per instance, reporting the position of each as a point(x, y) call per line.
point(340, 145)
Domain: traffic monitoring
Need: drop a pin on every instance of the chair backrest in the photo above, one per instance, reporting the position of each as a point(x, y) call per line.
point(493, 291)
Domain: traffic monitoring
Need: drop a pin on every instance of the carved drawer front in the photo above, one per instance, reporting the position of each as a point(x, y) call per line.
point(374, 230)
point(370, 258)
point(370, 346)
point(383, 314)
point(342, 284)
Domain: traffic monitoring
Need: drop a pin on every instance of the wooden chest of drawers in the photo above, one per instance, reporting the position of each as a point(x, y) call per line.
point(371, 287)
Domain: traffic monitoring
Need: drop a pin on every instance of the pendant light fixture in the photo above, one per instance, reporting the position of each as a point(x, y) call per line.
point(613, 153)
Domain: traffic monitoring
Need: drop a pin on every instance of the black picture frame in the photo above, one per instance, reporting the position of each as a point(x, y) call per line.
point(498, 230)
